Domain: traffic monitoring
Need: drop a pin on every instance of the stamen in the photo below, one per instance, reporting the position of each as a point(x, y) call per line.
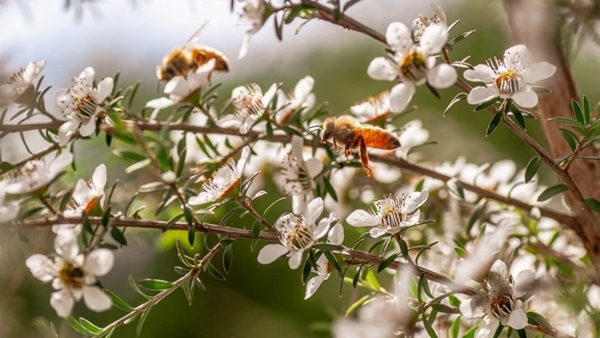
point(413, 67)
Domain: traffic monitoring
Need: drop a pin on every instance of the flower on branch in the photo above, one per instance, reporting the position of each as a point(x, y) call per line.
point(82, 103)
point(499, 301)
point(73, 274)
point(414, 64)
point(20, 81)
point(297, 234)
point(223, 181)
point(249, 104)
point(324, 268)
point(510, 78)
point(390, 214)
point(373, 108)
point(421, 23)
point(252, 12)
point(298, 175)
point(302, 98)
point(8, 210)
point(36, 174)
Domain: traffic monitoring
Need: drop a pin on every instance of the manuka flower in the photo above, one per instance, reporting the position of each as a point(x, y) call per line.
point(73, 274)
point(297, 234)
point(414, 64)
point(373, 108)
point(36, 174)
point(223, 181)
point(323, 269)
point(421, 23)
point(249, 104)
point(20, 81)
point(510, 78)
point(298, 175)
point(81, 104)
point(391, 214)
point(8, 210)
point(253, 13)
point(498, 302)
point(302, 98)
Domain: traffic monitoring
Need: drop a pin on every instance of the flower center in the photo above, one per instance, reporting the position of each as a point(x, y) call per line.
point(389, 212)
point(294, 233)
point(296, 178)
point(86, 107)
point(19, 81)
point(71, 275)
point(249, 103)
point(413, 67)
point(223, 181)
point(502, 305)
point(508, 81)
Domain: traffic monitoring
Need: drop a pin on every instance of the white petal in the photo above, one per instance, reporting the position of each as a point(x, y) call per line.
point(99, 177)
point(322, 228)
point(244, 47)
point(269, 253)
point(303, 88)
point(60, 162)
point(517, 319)
point(66, 245)
point(95, 299)
point(295, 260)
point(81, 193)
point(499, 267)
point(523, 281)
point(481, 94)
point(160, 103)
point(488, 328)
point(99, 262)
point(313, 166)
point(299, 203)
point(66, 131)
point(202, 198)
point(297, 144)
point(313, 211)
point(88, 128)
point(469, 308)
point(41, 267)
point(377, 231)
point(415, 200)
point(361, 218)
point(381, 68)
point(480, 73)
point(442, 76)
point(104, 89)
point(312, 285)
point(336, 234)
point(434, 38)
point(526, 98)
point(400, 96)
point(87, 76)
point(241, 164)
point(398, 36)
point(539, 71)
point(62, 302)
point(269, 95)
point(517, 56)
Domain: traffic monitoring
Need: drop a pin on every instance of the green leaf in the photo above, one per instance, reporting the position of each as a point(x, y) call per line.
point(78, 327)
point(522, 333)
point(494, 123)
point(475, 217)
point(129, 155)
point(189, 215)
point(457, 98)
point(518, 115)
point(357, 304)
point(428, 328)
point(118, 236)
point(329, 189)
point(551, 191)
point(214, 272)
point(587, 111)
point(593, 203)
point(532, 168)
point(570, 137)
point(333, 260)
point(306, 269)
point(444, 308)
point(454, 301)
point(455, 327)
point(537, 319)
point(118, 302)
point(487, 103)
point(269, 131)
point(227, 258)
point(386, 262)
point(566, 120)
point(155, 284)
point(328, 246)
point(371, 281)
point(498, 331)
point(577, 112)
point(143, 317)
point(403, 248)
point(460, 251)
point(136, 288)
point(471, 332)
point(89, 326)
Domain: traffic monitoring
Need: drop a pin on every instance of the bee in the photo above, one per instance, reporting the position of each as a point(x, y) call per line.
point(353, 135)
point(187, 59)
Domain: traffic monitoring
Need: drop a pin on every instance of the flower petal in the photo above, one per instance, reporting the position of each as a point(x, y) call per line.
point(81, 193)
point(336, 234)
point(415, 200)
point(488, 328)
point(88, 128)
point(378, 231)
point(66, 245)
point(441, 76)
point(482, 94)
point(434, 38)
point(526, 98)
point(383, 69)
point(241, 164)
point(499, 267)
point(517, 319)
point(269, 253)
point(62, 302)
point(65, 132)
point(295, 260)
point(99, 262)
point(539, 71)
point(469, 308)
point(95, 299)
point(303, 88)
point(244, 47)
point(313, 211)
point(399, 37)
point(322, 228)
point(312, 285)
point(517, 57)
point(361, 218)
point(41, 267)
point(104, 89)
point(297, 144)
point(400, 96)
point(313, 166)
point(523, 281)
point(479, 73)
point(99, 177)
point(202, 198)
point(60, 162)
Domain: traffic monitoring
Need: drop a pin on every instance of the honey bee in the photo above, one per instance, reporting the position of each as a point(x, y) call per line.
point(353, 135)
point(187, 59)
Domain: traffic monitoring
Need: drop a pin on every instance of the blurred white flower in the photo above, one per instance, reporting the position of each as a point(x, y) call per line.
point(20, 81)
point(302, 98)
point(413, 64)
point(413, 134)
point(73, 274)
point(252, 12)
point(498, 302)
point(421, 22)
point(223, 180)
point(510, 78)
point(297, 234)
point(373, 108)
point(8, 210)
point(298, 175)
point(81, 104)
point(447, 168)
point(323, 269)
point(36, 174)
point(391, 214)
point(249, 104)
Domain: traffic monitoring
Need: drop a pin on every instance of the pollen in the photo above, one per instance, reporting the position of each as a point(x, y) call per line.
point(71, 275)
point(413, 67)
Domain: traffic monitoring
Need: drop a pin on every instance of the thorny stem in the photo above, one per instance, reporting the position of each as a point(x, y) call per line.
point(163, 294)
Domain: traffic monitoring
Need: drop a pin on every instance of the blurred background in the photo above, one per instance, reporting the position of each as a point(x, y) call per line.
point(131, 37)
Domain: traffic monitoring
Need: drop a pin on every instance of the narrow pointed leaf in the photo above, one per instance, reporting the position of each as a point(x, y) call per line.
point(551, 191)
point(532, 168)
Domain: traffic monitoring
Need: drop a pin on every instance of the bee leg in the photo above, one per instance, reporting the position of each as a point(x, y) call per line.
point(335, 146)
point(364, 156)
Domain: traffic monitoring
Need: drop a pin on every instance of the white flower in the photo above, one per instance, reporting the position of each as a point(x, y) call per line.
point(391, 214)
point(373, 108)
point(73, 274)
point(498, 301)
point(8, 210)
point(298, 175)
point(446, 168)
point(87, 197)
point(302, 98)
point(81, 104)
point(223, 181)
point(36, 174)
point(323, 269)
point(297, 233)
point(20, 81)
point(421, 23)
point(249, 104)
point(510, 78)
point(413, 64)
point(252, 12)
point(413, 134)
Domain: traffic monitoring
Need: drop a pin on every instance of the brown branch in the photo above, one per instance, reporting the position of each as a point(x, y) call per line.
point(42, 153)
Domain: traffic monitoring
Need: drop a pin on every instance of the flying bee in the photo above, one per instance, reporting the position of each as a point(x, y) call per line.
point(353, 135)
point(187, 59)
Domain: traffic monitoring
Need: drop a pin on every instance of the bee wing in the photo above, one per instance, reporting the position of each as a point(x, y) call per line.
point(194, 37)
point(379, 138)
